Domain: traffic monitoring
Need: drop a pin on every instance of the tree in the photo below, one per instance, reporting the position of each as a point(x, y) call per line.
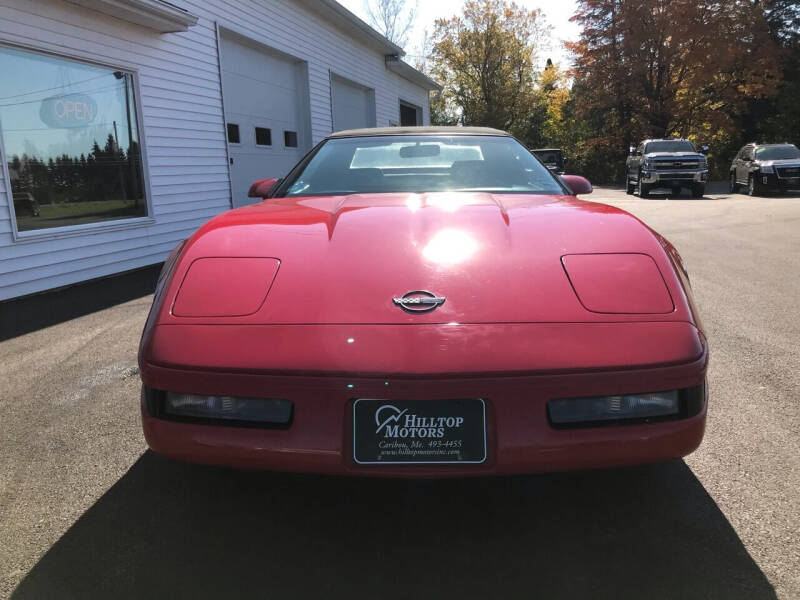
point(661, 68)
point(783, 18)
point(485, 60)
point(391, 18)
point(767, 118)
point(555, 89)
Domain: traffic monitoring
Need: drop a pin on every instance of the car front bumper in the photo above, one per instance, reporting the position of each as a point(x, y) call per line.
point(520, 438)
point(674, 178)
point(772, 182)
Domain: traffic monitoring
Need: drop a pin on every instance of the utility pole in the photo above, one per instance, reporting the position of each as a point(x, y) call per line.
point(121, 174)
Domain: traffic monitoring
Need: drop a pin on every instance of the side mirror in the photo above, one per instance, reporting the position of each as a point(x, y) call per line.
point(632, 150)
point(578, 184)
point(565, 160)
point(262, 188)
point(704, 149)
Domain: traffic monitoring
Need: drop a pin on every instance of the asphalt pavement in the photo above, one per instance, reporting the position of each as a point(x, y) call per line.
point(87, 512)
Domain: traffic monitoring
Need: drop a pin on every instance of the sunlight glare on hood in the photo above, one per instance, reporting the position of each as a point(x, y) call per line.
point(414, 202)
point(449, 202)
point(450, 246)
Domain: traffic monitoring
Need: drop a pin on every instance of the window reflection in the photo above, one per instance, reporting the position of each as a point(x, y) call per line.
point(70, 139)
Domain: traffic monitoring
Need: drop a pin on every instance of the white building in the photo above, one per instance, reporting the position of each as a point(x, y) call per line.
point(126, 124)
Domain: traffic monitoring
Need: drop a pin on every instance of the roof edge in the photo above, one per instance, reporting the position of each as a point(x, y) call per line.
point(158, 15)
point(406, 71)
point(344, 17)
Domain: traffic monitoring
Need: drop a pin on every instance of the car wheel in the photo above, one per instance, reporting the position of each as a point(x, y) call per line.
point(698, 191)
point(734, 187)
point(644, 189)
point(629, 187)
point(753, 189)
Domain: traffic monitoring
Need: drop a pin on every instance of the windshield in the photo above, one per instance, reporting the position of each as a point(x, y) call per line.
point(424, 163)
point(777, 152)
point(670, 146)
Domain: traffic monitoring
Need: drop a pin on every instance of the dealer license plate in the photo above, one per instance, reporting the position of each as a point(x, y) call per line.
point(419, 431)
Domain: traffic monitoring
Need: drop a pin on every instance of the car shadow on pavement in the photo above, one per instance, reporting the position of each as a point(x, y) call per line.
point(180, 531)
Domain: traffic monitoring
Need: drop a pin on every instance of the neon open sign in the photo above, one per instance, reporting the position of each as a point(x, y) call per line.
point(68, 110)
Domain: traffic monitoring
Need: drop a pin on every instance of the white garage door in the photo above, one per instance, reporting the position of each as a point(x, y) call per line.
point(262, 93)
point(353, 105)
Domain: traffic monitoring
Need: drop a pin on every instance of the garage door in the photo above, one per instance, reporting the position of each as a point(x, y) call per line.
point(263, 95)
point(353, 105)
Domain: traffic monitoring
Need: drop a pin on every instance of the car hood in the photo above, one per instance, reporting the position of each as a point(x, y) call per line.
point(494, 258)
point(787, 162)
point(691, 155)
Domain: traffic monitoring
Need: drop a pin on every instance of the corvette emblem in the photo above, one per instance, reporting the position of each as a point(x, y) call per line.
point(419, 301)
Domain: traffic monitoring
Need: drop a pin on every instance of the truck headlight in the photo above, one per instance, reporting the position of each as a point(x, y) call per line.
point(767, 169)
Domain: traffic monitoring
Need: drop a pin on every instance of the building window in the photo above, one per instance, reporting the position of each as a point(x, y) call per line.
point(71, 141)
point(290, 139)
point(263, 136)
point(233, 133)
point(410, 114)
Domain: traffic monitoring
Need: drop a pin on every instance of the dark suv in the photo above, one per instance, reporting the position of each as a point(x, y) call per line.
point(766, 168)
point(673, 164)
point(552, 158)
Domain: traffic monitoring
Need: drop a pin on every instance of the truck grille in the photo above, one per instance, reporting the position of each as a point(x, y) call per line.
point(667, 165)
point(788, 171)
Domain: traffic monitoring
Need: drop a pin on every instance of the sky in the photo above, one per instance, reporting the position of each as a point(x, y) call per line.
point(32, 81)
point(556, 12)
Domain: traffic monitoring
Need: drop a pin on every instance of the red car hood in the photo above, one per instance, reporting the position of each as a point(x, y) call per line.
point(495, 258)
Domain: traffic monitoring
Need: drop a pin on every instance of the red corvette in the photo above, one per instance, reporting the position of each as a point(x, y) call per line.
point(423, 302)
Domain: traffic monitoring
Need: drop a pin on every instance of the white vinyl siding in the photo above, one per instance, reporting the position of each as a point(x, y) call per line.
point(181, 112)
point(289, 27)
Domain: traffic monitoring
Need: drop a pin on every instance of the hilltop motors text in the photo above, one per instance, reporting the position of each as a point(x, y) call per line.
point(415, 426)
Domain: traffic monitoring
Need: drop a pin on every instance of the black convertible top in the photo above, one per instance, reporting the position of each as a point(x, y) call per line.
point(442, 130)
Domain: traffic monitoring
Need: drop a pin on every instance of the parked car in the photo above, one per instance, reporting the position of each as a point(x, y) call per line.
point(25, 204)
point(425, 302)
point(766, 168)
point(667, 163)
point(552, 158)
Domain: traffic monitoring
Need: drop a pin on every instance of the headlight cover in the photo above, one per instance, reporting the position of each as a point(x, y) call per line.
point(618, 283)
point(598, 409)
point(225, 287)
point(272, 411)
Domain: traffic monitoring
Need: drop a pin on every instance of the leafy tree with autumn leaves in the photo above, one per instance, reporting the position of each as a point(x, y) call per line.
point(777, 118)
point(486, 60)
point(716, 71)
point(661, 68)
